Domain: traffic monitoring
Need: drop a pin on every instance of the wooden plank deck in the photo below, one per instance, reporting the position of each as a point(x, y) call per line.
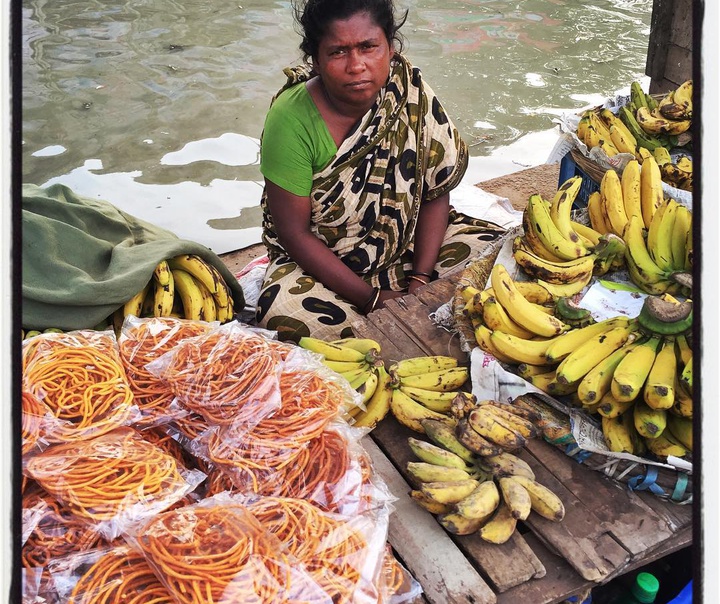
point(608, 530)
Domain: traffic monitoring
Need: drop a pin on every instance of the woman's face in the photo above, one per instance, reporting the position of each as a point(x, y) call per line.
point(354, 61)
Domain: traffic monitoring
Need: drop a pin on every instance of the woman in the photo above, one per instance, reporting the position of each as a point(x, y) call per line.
point(359, 159)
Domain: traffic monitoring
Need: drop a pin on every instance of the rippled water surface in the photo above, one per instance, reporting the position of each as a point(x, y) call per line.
point(157, 106)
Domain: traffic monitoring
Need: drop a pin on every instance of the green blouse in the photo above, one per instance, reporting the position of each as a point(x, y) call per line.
point(296, 142)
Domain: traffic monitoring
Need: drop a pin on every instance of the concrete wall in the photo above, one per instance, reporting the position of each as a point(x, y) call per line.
point(670, 49)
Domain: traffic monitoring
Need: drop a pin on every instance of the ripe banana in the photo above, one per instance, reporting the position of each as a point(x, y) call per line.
point(682, 429)
point(134, 305)
point(542, 224)
point(357, 376)
point(492, 428)
point(660, 235)
point(422, 365)
point(500, 527)
point(659, 389)
point(458, 524)
point(332, 352)
point(587, 233)
point(471, 440)
point(684, 350)
point(409, 413)
point(190, 294)
point(483, 338)
point(560, 272)
point(369, 386)
point(618, 432)
point(436, 401)
point(426, 472)
point(611, 408)
point(619, 138)
point(344, 366)
point(428, 504)
point(632, 371)
point(161, 274)
point(683, 96)
point(681, 228)
point(443, 380)
point(520, 310)
point(520, 350)
point(686, 375)
point(363, 345)
point(506, 464)
point(533, 292)
point(512, 421)
point(439, 456)
point(596, 214)
point(577, 364)
point(598, 381)
point(442, 433)
point(564, 344)
point(568, 290)
point(496, 319)
point(516, 497)
point(655, 123)
point(481, 502)
point(164, 292)
point(683, 403)
point(209, 310)
point(666, 444)
point(543, 501)
point(651, 193)
point(532, 242)
point(561, 207)
point(204, 272)
point(649, 423)
point(611, 193)
point(640, 264)
point(449, 491)
point(630, 185)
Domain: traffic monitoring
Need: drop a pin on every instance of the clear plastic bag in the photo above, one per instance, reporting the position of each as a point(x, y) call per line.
point(228, 375)
point(113, 480)
point(216, 551)
point(397, 585)
point(343, 553)
point(141, 341)
point(79, 377)
point(117, 574)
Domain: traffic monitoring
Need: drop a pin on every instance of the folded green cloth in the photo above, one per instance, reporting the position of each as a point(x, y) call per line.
point(84, 258)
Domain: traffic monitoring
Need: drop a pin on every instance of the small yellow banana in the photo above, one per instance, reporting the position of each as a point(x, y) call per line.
point(516, 497)
point(500, 527)
point(481, 502)
point(421, 365)
point(443, 380)
point(543, 501)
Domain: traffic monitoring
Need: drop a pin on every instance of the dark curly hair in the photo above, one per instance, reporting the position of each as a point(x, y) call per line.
point(315, 16)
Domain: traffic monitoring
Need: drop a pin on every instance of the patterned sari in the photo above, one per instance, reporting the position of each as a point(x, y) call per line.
point(365, 206)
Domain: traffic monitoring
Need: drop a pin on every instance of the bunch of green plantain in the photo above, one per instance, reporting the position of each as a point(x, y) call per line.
point(472, 492)
point(562, 254)
point(657, 232)
point(184, 286)
point(424, 388)
point(358, 361)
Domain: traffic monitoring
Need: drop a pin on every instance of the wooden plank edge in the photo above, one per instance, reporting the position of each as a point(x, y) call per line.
point(446, 575)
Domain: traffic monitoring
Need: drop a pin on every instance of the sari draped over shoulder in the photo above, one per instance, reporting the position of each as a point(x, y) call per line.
point(365, 202)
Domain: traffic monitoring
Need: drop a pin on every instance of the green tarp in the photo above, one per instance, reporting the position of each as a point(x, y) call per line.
point(83, 258)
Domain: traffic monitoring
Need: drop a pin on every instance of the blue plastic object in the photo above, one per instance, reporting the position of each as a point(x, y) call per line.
point(568, 169)
point(685, 596)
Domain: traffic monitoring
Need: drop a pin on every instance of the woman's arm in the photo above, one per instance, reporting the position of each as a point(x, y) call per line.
point(291, 217)
point(429, 234)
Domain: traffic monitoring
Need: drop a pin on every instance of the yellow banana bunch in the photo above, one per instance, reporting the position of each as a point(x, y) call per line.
point(357, 360)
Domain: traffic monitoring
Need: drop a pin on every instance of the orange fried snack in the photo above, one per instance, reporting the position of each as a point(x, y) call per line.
point(115, 475)
point(80, 378)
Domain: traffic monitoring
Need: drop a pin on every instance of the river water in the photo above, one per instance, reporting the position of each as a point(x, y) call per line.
point(157, 106)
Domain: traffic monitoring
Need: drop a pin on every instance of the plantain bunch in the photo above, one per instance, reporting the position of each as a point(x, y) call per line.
point(472, 483)
point(657, 232)
point(184, 286)
point(560, 253)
